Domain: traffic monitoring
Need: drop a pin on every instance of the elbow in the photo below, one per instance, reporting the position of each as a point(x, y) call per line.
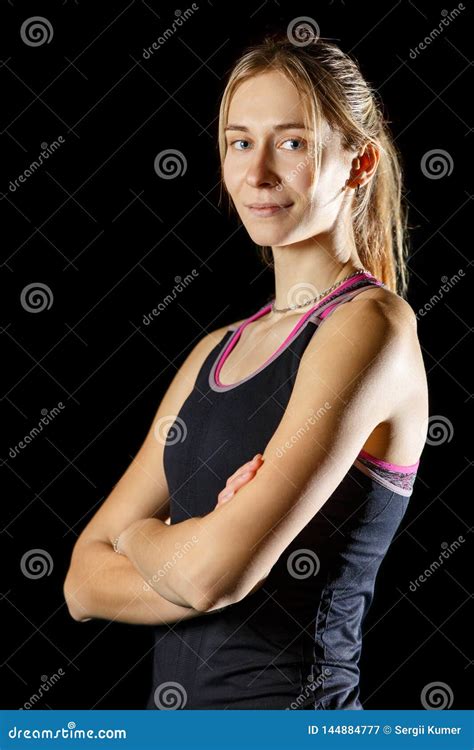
point(212, 598)
point(189, 591)
point(76, 606)
point(209, 583)
point(219, 597)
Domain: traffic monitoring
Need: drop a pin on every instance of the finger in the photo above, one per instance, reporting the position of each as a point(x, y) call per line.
point(253, 464)
point(231, 488)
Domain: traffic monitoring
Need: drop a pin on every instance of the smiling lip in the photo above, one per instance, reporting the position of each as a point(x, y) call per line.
point(266, 209)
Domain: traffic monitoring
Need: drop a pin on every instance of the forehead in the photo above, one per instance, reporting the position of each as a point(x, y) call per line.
point(264, 99)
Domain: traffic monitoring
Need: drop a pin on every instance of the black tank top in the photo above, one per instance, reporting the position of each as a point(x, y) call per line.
point(294, 643)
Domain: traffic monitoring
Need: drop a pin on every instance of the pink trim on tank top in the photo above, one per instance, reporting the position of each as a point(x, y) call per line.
point(233, 340)
point(259, 313)
point(386, 465)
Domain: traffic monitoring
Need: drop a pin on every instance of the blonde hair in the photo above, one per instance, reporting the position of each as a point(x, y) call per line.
point(332, 87)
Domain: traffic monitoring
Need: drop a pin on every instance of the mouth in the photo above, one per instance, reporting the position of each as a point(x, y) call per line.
point(267, 209)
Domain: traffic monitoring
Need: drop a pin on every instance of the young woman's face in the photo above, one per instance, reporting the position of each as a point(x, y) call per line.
point(264, 164)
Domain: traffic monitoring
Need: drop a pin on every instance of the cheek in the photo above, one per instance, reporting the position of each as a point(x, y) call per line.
point(228, 173)
point(297, 182)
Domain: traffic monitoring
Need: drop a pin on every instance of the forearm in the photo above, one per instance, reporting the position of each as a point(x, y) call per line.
point(107, 586)
point(165, 556)
point(177, 563)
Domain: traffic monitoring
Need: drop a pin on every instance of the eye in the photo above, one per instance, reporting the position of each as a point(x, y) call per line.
point(240, 140)
point(293, 140)
point(287, 140)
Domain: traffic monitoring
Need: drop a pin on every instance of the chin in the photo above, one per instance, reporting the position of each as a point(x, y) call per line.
point(266, 237)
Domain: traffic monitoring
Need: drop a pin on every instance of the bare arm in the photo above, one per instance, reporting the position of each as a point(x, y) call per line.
point(358, 387)
point(100, 583)
point(143, 540)
point(110, 588)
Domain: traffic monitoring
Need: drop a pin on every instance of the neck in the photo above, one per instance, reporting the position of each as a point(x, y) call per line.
point(305, 269)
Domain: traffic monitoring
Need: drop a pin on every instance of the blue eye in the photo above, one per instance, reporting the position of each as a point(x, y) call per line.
point(297, 140)
point(240, 140)
point(293, 139)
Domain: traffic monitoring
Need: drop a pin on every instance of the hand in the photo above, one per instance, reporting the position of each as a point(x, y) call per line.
point(242, 476)
point(121, 542)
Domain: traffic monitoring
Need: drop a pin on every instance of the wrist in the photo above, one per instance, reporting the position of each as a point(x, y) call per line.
point(122, 543)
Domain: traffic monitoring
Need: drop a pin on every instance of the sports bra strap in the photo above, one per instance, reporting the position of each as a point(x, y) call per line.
point(325, 310)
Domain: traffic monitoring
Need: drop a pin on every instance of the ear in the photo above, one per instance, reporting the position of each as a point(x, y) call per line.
point(368, 161)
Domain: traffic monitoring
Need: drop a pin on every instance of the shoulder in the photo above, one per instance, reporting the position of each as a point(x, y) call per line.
point(369, 342)
point(203, 347)
point(390, 304)
point(376, 317)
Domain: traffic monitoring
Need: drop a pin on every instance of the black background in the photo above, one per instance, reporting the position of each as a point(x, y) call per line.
point(110, 238)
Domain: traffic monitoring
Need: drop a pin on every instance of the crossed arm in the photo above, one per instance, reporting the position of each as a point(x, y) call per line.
point(348, 381)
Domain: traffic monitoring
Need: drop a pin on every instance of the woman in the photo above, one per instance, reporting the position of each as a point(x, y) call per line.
point(258, 600)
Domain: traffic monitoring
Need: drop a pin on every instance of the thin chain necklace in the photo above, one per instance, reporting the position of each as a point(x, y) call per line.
point(323, 294)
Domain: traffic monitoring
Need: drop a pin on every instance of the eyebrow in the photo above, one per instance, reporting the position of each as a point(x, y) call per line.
point(281, 126)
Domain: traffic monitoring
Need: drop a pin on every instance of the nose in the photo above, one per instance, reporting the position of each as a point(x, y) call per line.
point(260, 170)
